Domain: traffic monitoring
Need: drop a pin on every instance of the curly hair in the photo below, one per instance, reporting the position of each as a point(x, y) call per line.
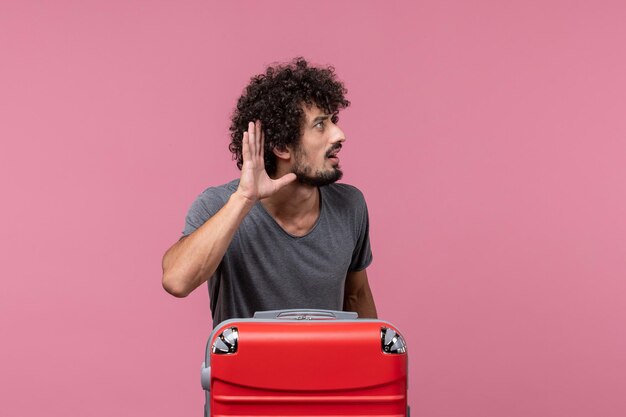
point(276, 98)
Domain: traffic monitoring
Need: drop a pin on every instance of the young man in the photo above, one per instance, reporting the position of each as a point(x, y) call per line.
point(283, 235)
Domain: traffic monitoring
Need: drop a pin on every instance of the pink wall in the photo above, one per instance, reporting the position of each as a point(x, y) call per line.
point(489, 138)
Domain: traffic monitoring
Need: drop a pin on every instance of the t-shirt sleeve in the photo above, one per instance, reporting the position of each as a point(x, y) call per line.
point(202, 209)
point(362, 255)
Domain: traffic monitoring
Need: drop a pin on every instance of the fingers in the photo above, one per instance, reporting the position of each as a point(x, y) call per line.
point(261, 142)
point(252, 139)
point(257, 132)
point(253, 142)
point(246, 147)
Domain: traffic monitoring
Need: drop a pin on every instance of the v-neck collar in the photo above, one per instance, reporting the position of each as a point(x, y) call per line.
point(319, 217)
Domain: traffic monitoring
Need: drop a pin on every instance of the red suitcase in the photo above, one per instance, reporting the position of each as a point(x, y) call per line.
point(305, 363)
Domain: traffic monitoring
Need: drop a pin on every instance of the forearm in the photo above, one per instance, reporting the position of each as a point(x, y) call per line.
point(361, 302)
point(191, 261)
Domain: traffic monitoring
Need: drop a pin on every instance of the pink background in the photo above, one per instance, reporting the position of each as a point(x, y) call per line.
point(489, 138)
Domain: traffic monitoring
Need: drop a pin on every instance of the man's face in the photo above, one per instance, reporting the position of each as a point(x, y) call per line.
point(315, 156)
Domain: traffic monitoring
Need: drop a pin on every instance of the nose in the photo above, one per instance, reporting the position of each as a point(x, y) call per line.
point(338, 136)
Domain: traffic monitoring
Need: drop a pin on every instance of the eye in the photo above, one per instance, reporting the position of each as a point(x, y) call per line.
point(320, 123)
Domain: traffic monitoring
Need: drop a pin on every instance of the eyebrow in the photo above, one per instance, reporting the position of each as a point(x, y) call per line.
point(322, 117)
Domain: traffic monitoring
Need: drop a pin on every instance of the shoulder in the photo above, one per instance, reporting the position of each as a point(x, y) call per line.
point(220, 191)
point(209, 202)
point(215, 197)
point(344, 193)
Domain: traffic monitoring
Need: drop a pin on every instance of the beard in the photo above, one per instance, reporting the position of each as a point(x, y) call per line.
point(305, 175)
point(319, 178)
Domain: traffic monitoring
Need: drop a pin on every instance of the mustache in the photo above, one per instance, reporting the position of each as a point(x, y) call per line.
point(335, 147)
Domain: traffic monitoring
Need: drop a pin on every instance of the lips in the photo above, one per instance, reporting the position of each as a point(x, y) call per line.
point(332, 153)
point(333, 158)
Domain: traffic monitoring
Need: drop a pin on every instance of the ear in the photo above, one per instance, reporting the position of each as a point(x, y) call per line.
point(284, 153)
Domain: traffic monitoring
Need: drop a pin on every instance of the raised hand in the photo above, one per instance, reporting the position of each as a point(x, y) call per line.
point(254, 183)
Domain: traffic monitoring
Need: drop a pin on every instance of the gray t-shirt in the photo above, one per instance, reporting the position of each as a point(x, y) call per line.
point(266, 268)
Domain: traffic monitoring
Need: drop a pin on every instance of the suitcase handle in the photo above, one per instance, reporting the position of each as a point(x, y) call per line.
point(308, 314)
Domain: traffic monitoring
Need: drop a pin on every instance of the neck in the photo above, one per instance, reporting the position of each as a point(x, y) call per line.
point(292, 201)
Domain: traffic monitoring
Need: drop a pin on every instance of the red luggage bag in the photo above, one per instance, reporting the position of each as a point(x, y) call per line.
point(305, 363)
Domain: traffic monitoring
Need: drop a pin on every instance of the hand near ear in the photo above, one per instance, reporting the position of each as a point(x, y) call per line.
point(254, 183)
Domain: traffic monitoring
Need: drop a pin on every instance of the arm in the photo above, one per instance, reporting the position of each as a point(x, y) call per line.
point(192, 260)
point(358, 296)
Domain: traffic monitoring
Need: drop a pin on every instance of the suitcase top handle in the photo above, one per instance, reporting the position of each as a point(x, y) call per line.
point(308, 314)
